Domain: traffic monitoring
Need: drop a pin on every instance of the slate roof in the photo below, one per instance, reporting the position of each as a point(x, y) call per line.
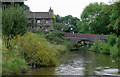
point(39, 15)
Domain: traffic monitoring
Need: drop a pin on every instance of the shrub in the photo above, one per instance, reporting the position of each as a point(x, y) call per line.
point(98, 46)
point(106, 48)
point(37, 51)
point(55, 37)
point(118, 41)
point(60, 48)
point(12, 63)
point(101, 47)
point(114, 51)
point(111, 40)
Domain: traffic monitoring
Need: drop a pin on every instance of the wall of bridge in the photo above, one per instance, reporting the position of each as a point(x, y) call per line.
point(80, 37)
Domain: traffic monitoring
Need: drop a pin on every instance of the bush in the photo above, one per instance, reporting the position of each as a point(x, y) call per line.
point(111, 40)
point(60, 48)
point(37, 51)
point(114, 51)
point(55, 37)
point(12, 63)
point(106, 49)
point(97, 46)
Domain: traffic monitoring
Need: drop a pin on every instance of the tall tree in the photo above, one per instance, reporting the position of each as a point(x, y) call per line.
point(14, 22)
point(70, 23)
point(88, 15)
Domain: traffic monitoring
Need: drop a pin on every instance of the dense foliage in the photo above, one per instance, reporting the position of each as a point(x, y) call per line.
point(100, 18)
point(37, 51)
point(12, 62)
point(68, 23)
point(109, 48)
point(14, 22)
point(56, 37)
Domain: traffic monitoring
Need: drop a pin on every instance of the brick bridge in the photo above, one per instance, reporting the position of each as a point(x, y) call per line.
point(85, 37)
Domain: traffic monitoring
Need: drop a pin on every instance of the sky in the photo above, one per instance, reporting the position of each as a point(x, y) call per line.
point(61, 7)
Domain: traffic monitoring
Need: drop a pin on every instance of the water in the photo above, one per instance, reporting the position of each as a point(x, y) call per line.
point(82, 62)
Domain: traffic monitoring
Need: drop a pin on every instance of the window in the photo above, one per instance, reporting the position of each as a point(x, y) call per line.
point(38, 21)
point(47, 21)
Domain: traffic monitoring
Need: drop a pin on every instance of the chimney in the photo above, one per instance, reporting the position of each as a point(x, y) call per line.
point(50, 11)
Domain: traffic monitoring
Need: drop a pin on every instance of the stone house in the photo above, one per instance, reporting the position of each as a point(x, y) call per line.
point(41, 20)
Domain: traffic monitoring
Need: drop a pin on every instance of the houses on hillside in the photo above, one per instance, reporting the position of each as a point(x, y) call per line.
point(41, 20)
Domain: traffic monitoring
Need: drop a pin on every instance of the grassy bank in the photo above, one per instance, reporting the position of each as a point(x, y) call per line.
point(110, 47)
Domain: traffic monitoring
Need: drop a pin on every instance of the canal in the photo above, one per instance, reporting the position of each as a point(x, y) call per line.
point(82, 62)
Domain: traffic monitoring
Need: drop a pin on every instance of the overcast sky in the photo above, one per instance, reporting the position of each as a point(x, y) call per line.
point(61, 7)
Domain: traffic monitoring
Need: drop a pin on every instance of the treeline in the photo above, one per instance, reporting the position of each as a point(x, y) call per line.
point(100, 18)
point(66, 24)
point(96, 18)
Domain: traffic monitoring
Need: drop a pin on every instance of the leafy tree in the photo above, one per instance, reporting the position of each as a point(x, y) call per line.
point(69, 22)
point(58, 18)
point(16, 3)
point(88, 15)
point(115, 18)
point(99, 25)
point(14, 22)
point(59, 26)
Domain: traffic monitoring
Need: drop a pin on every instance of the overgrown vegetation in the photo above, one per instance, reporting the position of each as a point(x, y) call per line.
point(56, 37)
point(37, 51)
point(14, 22)
point(100, 18)
point(12, 62)
point(31, 49)
point(109, 48)
point(22, 48)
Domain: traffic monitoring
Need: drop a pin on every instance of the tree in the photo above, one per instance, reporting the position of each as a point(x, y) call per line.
point(100, 23)
point(69, 22)
point(14, 22)
point(88, 15)
point(16, 3)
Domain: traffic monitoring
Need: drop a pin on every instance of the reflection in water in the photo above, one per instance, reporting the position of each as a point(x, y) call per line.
point(80, 62)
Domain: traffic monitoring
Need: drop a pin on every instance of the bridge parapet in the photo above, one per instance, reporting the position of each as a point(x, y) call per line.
point(80, 37)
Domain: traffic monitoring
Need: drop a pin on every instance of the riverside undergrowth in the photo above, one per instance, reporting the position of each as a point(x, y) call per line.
point(110, 47)
point(29, 49)
point(37, 50)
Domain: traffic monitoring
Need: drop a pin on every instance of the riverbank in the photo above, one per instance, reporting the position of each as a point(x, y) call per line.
point(109, 48)
point(40, 49)
point(81, 62)
point(33, 50)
